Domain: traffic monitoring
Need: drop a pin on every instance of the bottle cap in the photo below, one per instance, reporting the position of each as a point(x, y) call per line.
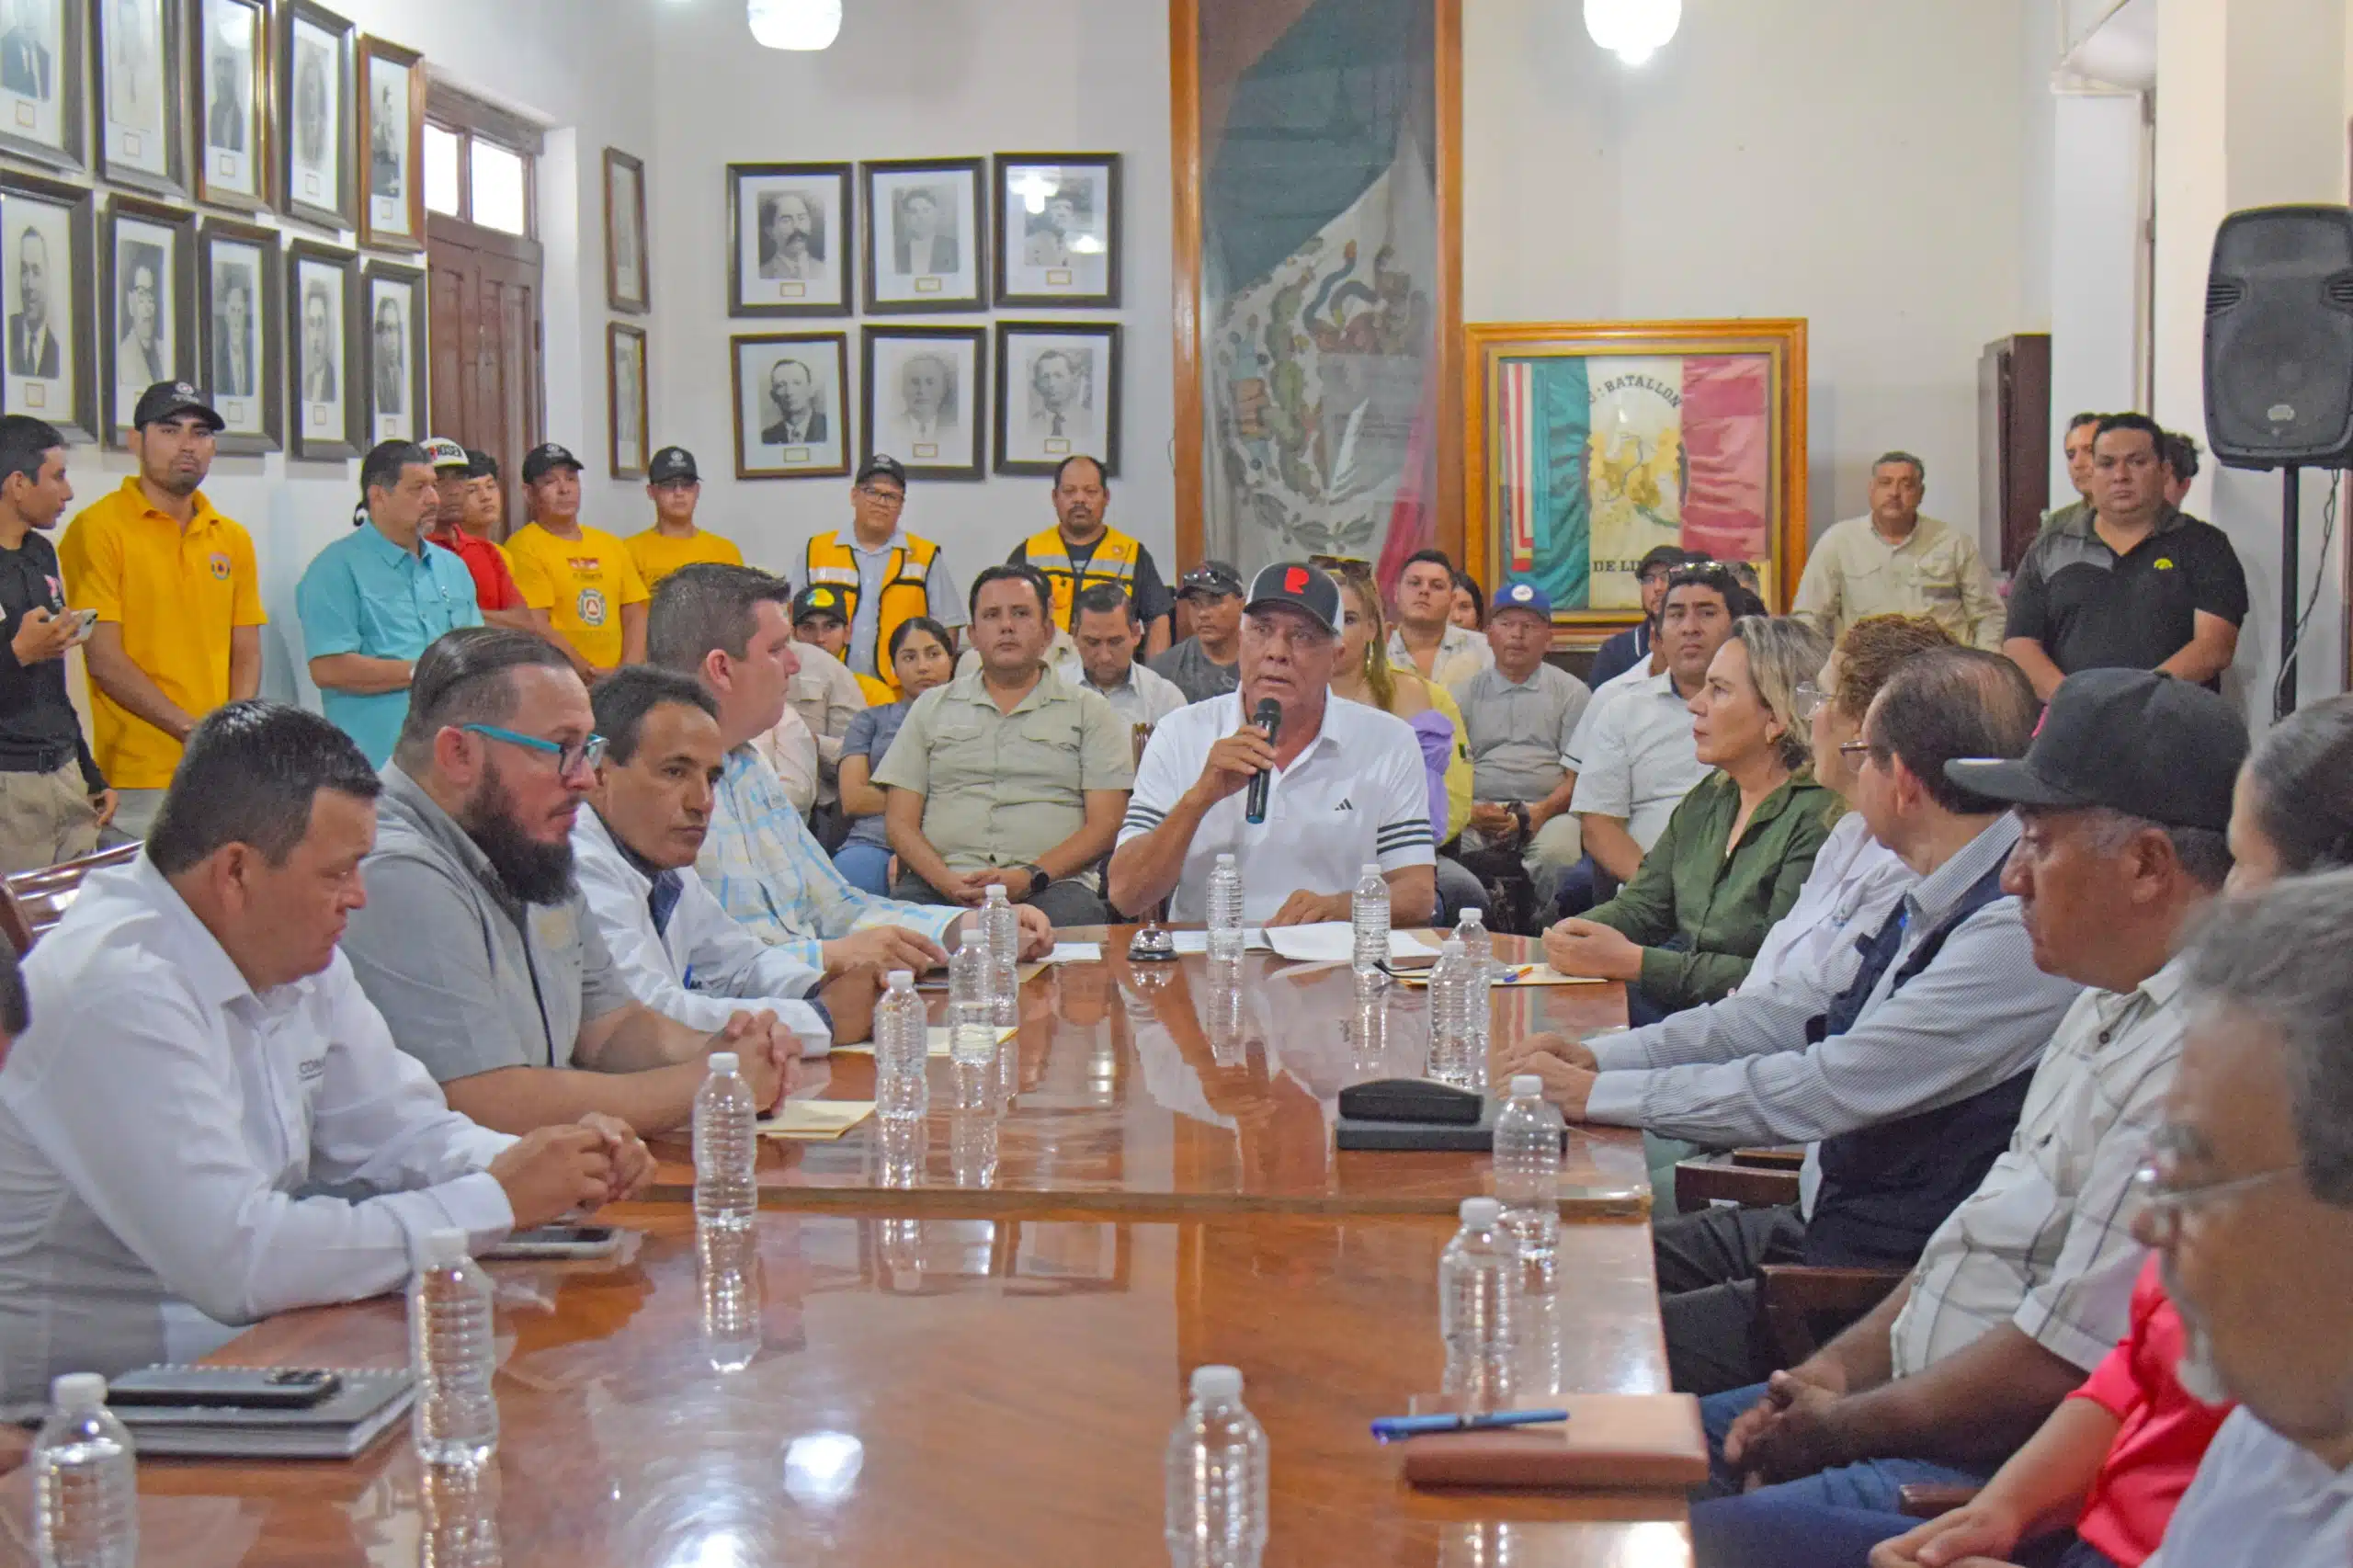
point(974, 938)
point(725, 1061)
point(1472, 917)
point(1217, 1382)
point(997, 893)
point(1527, 1087)
point(1482, 1212)
point(1451, 948)
point(1225, 858)
point(1370, 869)
point(442, 1249)
point(899, 979)
point(87, 1390)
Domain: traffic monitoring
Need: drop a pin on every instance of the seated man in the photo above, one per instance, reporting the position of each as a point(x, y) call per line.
point(677, 951)
point(1909, 1072)
point(1010, 775)
point(1345, 786)
point(1519, 713)
point(475, 942)
point(804, 749)
point(1108, 631)
point(201, 1057)
point(1424, 637)
point(1205, 663)
point(1638, 644)
point(2026, 1286)
point(725, 625)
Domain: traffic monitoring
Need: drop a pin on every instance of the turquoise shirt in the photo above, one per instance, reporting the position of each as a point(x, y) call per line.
point(363, 594)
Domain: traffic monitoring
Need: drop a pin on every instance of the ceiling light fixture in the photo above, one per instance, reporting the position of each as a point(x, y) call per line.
point(1632, 29)
point(794, 24)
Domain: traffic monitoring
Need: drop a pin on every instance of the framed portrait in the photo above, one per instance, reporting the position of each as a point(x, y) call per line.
point(229, 77)
point(239, 291)
point(627, 283)
point(1588, 444)
point(142, 126)
point(791, 404)
point(925, 233)
point(1058, 229)
point(147, 303)
point(49, 259)
point(397, 356)
point(1057, 395)
point(41, 73)
point(316, 48)
point(391, 145)
point(322, 310)
point(923, 391)
point(625, 399)
point(789, 233)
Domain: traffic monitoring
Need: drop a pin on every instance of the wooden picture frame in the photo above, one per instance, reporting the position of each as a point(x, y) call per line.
point(229, 89)
point(928, 415)
point(1066, 252)
point(390, 151)
point(628, 415)
point(816, 278)
point(249, 389)
point(318, 177)
point(139, 84)
point(1547, 500)
point(396, 407)
point(821, 448)
point(628, 278)
point(949, 272)
point(51, 371)
point(162, 335)
point(326, 419)
point(41, 77)
point(1080, 399)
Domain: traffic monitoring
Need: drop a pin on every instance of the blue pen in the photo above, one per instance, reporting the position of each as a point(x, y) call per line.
point(1389, 1428)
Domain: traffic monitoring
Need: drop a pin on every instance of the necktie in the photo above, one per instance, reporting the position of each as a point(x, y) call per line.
point(1058, 424)
point(664, 899)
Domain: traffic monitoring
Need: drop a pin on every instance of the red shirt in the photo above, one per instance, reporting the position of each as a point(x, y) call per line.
point(494, 584)
point(2163, 1436)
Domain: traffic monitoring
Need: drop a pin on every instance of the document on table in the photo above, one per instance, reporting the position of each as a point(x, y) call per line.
point(1334, 941)
point(1076, 952)
point(936, 1039)
point(1516, 975)
point(1197, 943)
point(818, 1120)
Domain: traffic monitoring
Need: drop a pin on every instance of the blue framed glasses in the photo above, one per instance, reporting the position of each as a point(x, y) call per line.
point(570, 758)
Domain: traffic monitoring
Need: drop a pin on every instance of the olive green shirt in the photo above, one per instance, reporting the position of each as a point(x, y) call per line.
point(1003, 789)
point(1721, 906)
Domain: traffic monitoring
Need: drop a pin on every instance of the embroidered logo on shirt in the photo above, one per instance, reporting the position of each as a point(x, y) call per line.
point(591, 606)
point(2164, 563)
point(220, 567)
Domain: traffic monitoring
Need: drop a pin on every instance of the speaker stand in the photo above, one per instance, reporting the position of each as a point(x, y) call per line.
point(2292, 521)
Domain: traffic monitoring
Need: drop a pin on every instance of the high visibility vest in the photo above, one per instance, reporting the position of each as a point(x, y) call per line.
point(1114, 562)
point(907, 585)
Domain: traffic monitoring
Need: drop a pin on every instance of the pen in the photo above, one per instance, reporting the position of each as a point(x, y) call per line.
point(1517, 972)
point(1387, 1429)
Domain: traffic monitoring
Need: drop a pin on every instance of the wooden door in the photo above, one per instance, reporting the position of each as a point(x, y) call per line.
point(489, 390)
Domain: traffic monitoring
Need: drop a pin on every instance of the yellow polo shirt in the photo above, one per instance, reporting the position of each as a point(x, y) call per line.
point(658, 554)
point(581, 582)
point(177, 594)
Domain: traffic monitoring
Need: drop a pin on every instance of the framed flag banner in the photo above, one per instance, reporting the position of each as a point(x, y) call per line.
point(1587, 444)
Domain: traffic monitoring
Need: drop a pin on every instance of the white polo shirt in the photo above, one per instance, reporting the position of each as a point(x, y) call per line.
point(1639, 758)
point(1357, 795)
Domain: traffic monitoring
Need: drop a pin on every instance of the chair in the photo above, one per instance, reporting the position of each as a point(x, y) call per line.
point(12, 924)
point(1800, 1300)
point(41, 898)
point(1927, 1500)
point(1754, 1179)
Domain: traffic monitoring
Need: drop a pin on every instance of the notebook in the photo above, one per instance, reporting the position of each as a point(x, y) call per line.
point(1610, 1441)
point(370, 1402)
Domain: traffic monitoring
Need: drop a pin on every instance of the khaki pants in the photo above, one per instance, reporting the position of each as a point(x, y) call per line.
point(44, 818)
point(134, 812)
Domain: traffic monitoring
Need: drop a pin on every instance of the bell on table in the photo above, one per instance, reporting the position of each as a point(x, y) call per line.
point(1154, 944)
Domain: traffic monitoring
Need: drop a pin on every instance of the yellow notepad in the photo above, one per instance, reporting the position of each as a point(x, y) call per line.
point(936, 1041)
point(821, 1120)
point(1521, 976)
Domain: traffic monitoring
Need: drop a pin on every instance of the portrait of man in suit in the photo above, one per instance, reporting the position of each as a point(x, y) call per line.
point(926, 398)
point(232, 331)
point(32, 337)
point(792, 244)
point(384, 144)
point(320, 381)
point(792, 392)
point(391, 358)
point(224, 124)
point(138, 354)
point(1062, 401)
point(1049, 234)
point(25, 61)
point(134, 82)
point(924, 242)
point(311, 114)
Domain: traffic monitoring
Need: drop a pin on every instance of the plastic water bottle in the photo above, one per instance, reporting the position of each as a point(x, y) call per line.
point(85, 1481)
point(902, 1051)
point(1471, 930)
point(1528, 1173)
point(1216, 1477)
point(1225, 909)
point(971, 1003)
point(451, 1353)
point(726, 1146)
point(1478, 1278)
point(1472, 927)
point(1002, 926)
point(1457, 1045)
point(1369, 913)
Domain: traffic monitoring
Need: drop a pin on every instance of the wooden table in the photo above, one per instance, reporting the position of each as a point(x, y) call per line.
point(1133, 1089)
point(933, 1390)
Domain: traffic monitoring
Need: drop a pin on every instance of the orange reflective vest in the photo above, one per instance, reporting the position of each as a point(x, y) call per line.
point(1114, 562)
point(906, 592)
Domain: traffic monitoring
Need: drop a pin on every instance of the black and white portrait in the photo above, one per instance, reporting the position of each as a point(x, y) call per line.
point(316, 114)
point(923, 232)
point(793, 236)
point(790, 223)
point(923, 239)
point(237, 359)
point(29, 51)
point(389, 145)
point(625, 351)
point(1057, 394)
point(924, 390)
point(625, 280)
point(321, 350)
point(1057, 225)
point(137, 109)
point(40, 72)
point(392, 413)
point(228, 118)
point(143, 355)
point(314, 66)
point(236, 326)
point(38, 250)
point(788, 405)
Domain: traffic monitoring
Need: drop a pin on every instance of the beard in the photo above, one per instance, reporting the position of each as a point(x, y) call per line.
point(2196, 1371)
point(531, 872)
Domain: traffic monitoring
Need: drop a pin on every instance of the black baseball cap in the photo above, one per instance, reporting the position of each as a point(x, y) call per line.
point(671, 464)
point(1305, 588)
point(1212, 577)
point(884, 464)
point(1666, 558)
point(546, 458)
point(2132, 741)
point(819, 598)
point(481, 464)
point(166, 400)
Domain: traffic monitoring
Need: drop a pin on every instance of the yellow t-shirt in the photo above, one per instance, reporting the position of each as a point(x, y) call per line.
point(878, 693)
point(658, 554)
point(176, 595)
point(581, 582)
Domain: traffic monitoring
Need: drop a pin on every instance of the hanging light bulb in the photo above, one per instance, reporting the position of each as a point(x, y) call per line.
point(1632, 29)
point(794, 24)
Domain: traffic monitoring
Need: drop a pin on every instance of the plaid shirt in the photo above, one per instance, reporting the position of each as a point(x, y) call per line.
point(779, 882)
point(2044, 1243)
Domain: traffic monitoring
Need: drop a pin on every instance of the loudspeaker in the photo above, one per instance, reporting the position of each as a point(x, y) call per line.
point(2280, 339)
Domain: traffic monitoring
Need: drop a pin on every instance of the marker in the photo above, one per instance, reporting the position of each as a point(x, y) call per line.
point(1389, 1428)
point(1517, 972)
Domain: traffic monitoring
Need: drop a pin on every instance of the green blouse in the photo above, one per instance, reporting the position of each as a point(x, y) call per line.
point(1720, 906)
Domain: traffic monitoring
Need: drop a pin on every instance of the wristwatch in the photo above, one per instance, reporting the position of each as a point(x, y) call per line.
point(1038, 879)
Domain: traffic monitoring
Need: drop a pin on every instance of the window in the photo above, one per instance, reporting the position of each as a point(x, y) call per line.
point(479, 162)
point(443, 190)
point(499, 202)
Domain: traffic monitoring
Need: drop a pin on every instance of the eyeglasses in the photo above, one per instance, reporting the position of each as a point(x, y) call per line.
point(1808, 701)
point(571, 756)
point(2167, 1205)
point(883, 497)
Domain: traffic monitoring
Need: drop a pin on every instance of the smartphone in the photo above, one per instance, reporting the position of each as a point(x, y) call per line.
point(245, 1388)
point(560, 1241)
point(87, 619)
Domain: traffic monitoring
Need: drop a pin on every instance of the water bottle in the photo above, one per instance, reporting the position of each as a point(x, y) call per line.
point(1225, 910)
point(1472, 927)
point(1216, 1477)
point(85, 1481)
point(971, 1003)
point(1478, 1277)
point(1003, 928)
point(451, 1353)
point(726, 1148)
point(1458, 1046)
point(1528, 1173)
point(1478, 947)
point(1369, 913)
point(902, 1051)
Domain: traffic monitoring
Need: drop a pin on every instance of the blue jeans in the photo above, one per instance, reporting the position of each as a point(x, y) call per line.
point(1873, 1483)
point(1761, 1531)
point(867, 867)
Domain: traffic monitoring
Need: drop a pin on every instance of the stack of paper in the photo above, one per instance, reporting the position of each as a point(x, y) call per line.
point(815, 1121)
point(1334, 941)
point(936, 1040)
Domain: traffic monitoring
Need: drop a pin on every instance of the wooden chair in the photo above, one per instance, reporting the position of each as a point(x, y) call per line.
point(1754, 1179)
point(12, 924)
point(42, 897)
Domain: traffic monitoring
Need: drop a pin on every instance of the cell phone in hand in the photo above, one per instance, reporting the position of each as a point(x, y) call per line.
point(86, 620)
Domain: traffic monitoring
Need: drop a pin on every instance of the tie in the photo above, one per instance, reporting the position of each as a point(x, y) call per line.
point(664, 899)
point(1058, 424)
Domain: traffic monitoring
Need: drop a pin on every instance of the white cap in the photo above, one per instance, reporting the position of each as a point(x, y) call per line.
point(899, 978)
point(1450, 947)
point(1482, 1213)
point(725, 1061)
point(1217, 1382)
point(1225, 858)
point(87, 1391)
point(997, 893)
point(442, 1249)
point(1471, 916)
point(1370, 869)
point(1526, 1086)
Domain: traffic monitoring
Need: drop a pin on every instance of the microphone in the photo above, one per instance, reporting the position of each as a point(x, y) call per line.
point(1269, 716)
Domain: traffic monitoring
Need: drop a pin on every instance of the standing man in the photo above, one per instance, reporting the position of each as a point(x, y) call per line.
point(375, 599)
point(1426, 637)
point(1107, 634)
point(54, 800)
point(1206, 664)
point(497, 599)
point(1638, 644)
point(2181, 467)
point(1519, 715)
point(1895, 561)
point(178, 601)
point(2134, 586)
point(1081, 550)
point(675, 488)
point(888, 573)
point(2080, 430)
point(582, 577)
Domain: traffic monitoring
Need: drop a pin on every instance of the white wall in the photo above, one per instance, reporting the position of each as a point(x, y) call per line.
point(1853, 161)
